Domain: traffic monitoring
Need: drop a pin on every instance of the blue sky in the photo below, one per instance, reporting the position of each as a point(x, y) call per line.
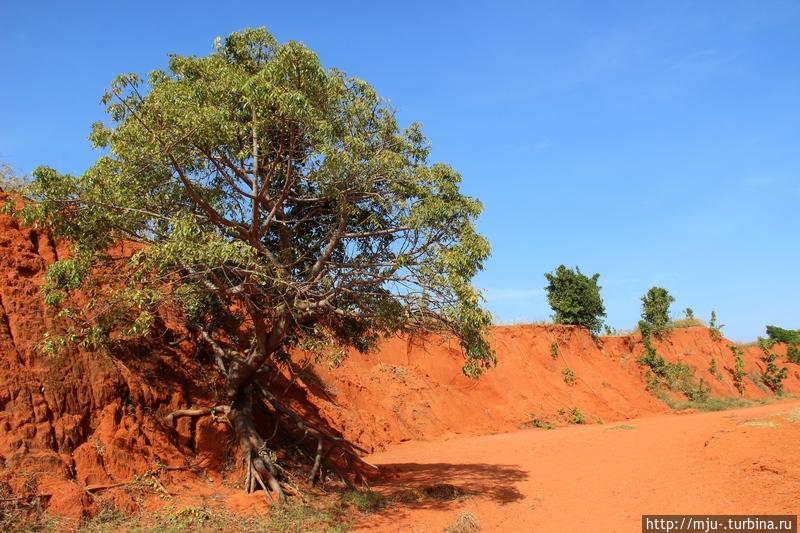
point(652, 142)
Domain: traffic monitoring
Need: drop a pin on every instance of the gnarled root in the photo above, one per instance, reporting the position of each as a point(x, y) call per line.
point(260, 470)
point(215, 411)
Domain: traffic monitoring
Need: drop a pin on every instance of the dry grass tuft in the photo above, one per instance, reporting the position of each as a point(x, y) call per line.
point(464, 523)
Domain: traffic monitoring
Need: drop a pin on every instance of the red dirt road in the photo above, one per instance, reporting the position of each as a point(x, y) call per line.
point(603, 477)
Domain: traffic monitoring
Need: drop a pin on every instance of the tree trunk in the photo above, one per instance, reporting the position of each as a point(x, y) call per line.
point(259, 468)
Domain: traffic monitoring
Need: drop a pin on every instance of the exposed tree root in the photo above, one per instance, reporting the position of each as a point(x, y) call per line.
point(215, 411)
point(260, 468)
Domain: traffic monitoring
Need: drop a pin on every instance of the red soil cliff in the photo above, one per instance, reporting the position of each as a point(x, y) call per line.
point(74, 424)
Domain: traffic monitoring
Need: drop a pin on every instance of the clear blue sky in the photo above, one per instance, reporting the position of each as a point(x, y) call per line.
point(652, 142)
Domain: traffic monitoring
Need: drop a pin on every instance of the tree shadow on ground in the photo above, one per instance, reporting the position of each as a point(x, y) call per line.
point(492, 481)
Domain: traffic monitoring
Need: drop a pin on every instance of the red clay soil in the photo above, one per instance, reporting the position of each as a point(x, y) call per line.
point(602, 477)
point(82, 420)
point(409, 390)
point(71, 426)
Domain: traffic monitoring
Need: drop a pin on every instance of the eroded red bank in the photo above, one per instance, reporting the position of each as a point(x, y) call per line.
point(87, 421)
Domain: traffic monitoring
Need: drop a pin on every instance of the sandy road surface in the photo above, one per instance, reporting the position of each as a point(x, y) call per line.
point(603, 477)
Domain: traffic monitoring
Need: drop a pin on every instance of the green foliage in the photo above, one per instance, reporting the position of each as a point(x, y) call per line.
point(790, 337)
point(787, 336)
point(536, 422)
point(576, 416)
point(575, 298)
point(715, 329)
point(554, 350)
point(688, 313)
point(713, 370)
point(650, 357)
point(365, 501)
point(253, 179)
point(661, 373)
point(772, 376)
point(655, 309)
point(569, 376)
point(793, 354)
point(738, 368)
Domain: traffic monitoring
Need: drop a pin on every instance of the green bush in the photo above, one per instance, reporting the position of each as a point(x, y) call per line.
point(554, 350)
point(575, 298)
point(773, 376)
point(713, 370)
point(536, 422)
point(787, 336)
point(675, 376)
point(655, 309)
point(569, 376)
point(576, 416)
point(738, 368)
point(793, 354)
point(790, 337)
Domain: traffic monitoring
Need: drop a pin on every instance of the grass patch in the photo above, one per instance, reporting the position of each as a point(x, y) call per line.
point(323, 517)
point(794, 416)
point(687, 323)
point(464, 523)
point(327, 514)
point(623, 427)
point(365, 501)
point(711, 403)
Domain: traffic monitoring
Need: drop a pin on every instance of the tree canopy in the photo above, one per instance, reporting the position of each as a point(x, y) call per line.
point(273, 204)
point(655, 309)
point(575, 298)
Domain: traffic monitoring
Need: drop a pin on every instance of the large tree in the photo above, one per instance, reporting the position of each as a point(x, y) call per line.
point(273, 205)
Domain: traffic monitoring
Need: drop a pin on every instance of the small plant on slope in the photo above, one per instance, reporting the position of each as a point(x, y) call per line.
point(715, 329)
point(793, 354)
point(676, 376)
point(773, 376)
point(713, 370)
point(569, 376)
point(554, 350)
point(738, 368)
point(536, 422)
point(576, 416)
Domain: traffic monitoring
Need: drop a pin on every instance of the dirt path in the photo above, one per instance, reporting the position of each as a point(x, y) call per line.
point(603, 477)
